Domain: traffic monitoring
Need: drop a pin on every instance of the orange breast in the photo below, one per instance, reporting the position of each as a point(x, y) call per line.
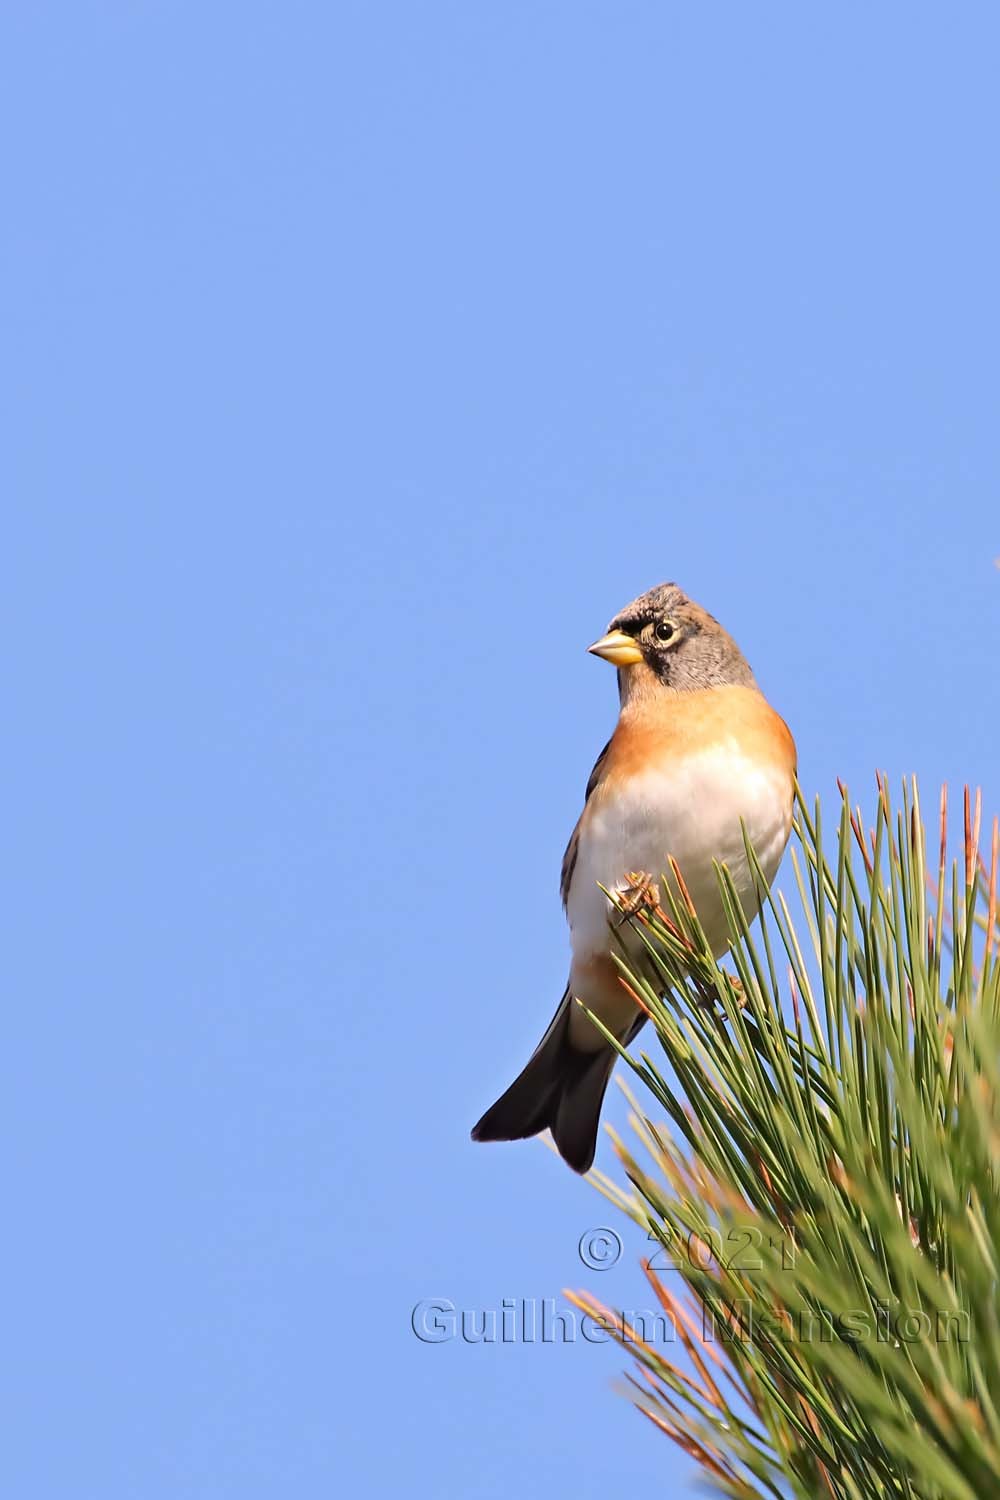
point(659, 728)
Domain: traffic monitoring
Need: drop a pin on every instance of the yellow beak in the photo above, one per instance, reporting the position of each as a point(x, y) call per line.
point(618, 648)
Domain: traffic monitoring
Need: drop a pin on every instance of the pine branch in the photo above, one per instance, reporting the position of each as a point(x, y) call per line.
point(829, 1162)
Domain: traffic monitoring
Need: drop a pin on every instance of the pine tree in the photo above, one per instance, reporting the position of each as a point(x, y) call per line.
point(819, 1154)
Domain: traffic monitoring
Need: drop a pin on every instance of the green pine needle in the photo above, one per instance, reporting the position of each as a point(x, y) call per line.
point(824, 1142)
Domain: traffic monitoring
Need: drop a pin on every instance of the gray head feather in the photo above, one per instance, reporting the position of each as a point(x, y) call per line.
point(695, 653)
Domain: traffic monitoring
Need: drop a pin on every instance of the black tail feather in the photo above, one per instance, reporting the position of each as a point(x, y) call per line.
point(561, 1089)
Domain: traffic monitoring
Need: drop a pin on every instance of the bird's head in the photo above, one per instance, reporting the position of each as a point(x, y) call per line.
point(663, 640)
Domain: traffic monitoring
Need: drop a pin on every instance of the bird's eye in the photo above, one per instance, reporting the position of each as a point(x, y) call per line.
point(665, 631)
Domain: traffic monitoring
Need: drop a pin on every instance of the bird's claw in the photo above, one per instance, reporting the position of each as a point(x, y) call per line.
point(640, 895)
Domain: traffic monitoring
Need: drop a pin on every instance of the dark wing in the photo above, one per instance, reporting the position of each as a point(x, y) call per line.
point(569, 858)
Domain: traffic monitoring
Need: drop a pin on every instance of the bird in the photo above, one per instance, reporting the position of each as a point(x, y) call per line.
point(697, 756)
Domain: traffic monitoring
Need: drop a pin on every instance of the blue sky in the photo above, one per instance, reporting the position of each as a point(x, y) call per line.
point(360, 362)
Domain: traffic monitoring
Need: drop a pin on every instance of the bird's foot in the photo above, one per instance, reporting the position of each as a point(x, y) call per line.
point(640, 895)
point(736, 989)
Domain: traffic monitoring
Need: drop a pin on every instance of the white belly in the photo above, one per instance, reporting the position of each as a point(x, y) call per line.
point(692, 812)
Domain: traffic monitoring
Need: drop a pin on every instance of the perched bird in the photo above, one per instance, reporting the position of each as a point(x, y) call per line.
point(697, 754)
